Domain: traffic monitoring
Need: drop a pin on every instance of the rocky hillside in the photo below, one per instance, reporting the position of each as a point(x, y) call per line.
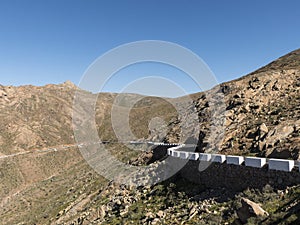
point(262, 112)
point(41, 117)
point(50, 183)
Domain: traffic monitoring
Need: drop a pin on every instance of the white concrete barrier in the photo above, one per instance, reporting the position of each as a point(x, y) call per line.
point(234, 159)
point(177, 154)
point(169, 151)
point(184, 155)
point(218, 158)
point(204, 157)
point(255, 162)
point(274, 164)
point(174, 153)
point(281, 164)
point(193, 155)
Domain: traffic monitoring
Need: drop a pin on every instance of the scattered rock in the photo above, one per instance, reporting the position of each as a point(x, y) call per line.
point(263, 129)
point(149, 215)
point(250, 209)
point(160, 214)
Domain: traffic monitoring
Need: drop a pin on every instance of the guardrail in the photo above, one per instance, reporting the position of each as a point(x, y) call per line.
point(257, 162)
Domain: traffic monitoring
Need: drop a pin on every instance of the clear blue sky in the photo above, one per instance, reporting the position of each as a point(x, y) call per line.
point(52, 41)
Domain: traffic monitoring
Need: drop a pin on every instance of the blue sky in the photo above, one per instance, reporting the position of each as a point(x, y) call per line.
point(53, 41)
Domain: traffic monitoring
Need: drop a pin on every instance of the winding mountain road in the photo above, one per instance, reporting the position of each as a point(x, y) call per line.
point(176, 150)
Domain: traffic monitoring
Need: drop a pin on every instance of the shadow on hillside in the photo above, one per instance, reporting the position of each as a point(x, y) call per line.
point(159, 153)
point(238, 178)
point(223, 182)
point(198, 192)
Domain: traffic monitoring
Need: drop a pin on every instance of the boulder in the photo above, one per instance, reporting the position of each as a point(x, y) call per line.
point(263, 129)
point(275, 136)
point(250, 209)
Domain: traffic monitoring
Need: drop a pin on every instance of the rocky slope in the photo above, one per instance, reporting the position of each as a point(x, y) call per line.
point(41, 117)
point(262, 112)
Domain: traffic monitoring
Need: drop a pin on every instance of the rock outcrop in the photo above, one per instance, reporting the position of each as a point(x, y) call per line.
point(250, 209)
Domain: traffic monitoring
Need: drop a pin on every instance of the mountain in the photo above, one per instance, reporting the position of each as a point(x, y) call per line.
point(262, 112)
point(45, 180)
